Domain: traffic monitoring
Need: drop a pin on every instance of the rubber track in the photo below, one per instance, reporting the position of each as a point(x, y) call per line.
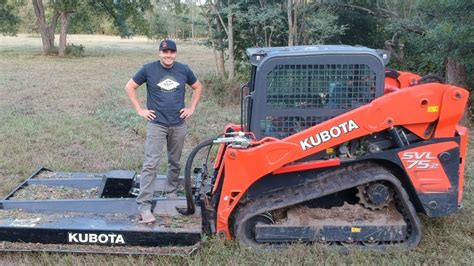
point(324, 184)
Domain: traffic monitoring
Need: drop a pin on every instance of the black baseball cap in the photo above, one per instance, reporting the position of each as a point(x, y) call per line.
point(168, 45)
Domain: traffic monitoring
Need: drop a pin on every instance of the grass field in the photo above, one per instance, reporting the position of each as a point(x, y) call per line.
point(71, 114)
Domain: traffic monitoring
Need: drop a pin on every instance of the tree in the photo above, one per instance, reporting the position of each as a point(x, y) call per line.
point(247, 23)
point(292, 12)
point(176, 19)
point(119, 10)
point(318, 24)
point(311, 22)
point(426, 36)
point(65, 8)
point(229, 11)
point(263, 24)
point(8, 19)
point(216, 33)
point(436, 37)
point(123, 12)
point(361, 27)
point(45, 29)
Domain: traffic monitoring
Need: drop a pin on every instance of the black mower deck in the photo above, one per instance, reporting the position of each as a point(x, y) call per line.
point(103, 218)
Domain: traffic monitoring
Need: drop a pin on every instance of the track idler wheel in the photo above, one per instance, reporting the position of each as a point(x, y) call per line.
point(246, 232)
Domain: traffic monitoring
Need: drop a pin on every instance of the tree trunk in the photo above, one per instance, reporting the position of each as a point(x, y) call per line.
point(193, 34)
point(396, 48)
point(216, 44)
point(455, 72)
point(230, 37)
point(215, 36)
point(213, 43)
point(292, 12)
point(270, 37)
point(220, 51)
point(46, 32)
point(62, 37)
point(229, 31)
point(267, 38)
point(289, 12)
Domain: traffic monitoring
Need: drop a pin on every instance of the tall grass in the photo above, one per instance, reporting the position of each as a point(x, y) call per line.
point(72, 115)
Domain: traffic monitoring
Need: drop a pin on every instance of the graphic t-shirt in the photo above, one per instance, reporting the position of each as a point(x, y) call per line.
point(165, 90)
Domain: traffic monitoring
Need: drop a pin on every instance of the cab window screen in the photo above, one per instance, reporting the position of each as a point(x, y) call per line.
point(328, 86)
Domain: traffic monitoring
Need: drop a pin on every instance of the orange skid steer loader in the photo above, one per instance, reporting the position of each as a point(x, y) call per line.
point(331, 148)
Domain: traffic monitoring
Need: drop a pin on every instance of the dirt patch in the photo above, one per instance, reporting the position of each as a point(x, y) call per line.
point(178, 221)
point(16, 214)
point(303, 215)
point(21, 217)
point(59, 175)
point(43, 192)
point(47, 175)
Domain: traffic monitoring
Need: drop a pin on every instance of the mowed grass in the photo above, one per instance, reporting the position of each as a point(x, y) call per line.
point(72, 114)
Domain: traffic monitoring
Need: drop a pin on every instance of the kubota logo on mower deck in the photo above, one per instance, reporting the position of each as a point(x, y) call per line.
point(95, 238)
point(327, 135)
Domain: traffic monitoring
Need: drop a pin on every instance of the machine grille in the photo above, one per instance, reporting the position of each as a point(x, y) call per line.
point(328, 86)
point(310, 92)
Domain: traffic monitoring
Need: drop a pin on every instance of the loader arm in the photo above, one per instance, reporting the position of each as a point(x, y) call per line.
point(417, 106)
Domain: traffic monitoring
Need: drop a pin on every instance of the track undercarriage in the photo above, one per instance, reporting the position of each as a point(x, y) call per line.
point(292, 214)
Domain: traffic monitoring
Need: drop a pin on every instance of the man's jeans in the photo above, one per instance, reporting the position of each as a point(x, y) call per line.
point(156, 137)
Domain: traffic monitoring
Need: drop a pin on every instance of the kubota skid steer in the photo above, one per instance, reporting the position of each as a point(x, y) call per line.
point(331, 149)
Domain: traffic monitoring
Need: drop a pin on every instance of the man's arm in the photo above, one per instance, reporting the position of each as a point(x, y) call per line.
point(197, 89)
point(131, 90)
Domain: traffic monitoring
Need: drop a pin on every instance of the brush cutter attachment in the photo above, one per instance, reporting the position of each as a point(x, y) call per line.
point(93, 213)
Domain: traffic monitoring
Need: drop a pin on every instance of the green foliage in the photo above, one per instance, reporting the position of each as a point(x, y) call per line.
point(86, 20)
point(222, 90)
point(265, 23)
point(319, 25)
point(361, 29)
point(159, 27)
point(64, 5)
point(73, 50)
point(258, 25)
point(27, 19)
point(434, 31)
point(124, 13)
point(175, 19)
point(448, 26)
point(9, 20)
point(52, 52)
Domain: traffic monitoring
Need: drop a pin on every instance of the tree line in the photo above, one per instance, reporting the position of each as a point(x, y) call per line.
point(425, 36)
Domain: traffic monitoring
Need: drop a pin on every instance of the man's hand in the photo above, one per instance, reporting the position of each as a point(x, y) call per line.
point(186, 112)
point(147, 114)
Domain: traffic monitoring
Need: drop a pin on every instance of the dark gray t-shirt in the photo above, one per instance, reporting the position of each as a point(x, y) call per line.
point(165, 90)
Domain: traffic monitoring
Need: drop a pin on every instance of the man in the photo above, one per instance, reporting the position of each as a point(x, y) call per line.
point(166, 114)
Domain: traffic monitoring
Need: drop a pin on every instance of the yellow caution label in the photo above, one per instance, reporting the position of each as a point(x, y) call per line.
point(433, 109)
point(355, 229)
point(329, 150)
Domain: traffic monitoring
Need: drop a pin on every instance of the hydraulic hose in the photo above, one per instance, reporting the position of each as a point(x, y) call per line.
point(188, 186)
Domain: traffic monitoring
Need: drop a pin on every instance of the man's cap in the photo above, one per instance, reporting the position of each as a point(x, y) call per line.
point(168, 45)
